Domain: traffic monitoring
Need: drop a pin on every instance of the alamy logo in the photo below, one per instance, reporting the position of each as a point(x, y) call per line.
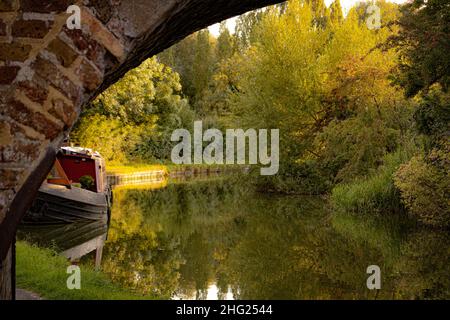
point(74, 280)
point(74, 20)
point(374, 280)
point(236, 151)
point(374, 19)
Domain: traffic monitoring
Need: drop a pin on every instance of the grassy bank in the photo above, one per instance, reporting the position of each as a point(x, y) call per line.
point(44, 272)
point(136, 168)
point(376, 193)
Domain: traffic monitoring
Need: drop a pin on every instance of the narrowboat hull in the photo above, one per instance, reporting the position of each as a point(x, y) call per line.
point(59, 204)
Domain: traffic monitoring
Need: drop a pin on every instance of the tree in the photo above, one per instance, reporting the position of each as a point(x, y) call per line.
point(203, 64)
point(180, 58)
point(194, 59)
point(424, 45)
point(336, 14)
point(225, 43)
point(150, 90)
point(245, 26)
point(114, 140)
point(134, 118)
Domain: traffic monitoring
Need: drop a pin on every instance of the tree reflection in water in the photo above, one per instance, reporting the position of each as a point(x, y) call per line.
point(192, 239)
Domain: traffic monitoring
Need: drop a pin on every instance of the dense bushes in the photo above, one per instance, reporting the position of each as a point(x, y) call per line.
point(114, 140)
point(424, 183)
point(423, 46)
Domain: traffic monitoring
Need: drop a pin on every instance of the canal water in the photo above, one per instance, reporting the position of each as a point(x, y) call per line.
point(218, 238)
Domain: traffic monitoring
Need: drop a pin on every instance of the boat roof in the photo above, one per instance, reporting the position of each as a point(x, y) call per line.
point(80, 151)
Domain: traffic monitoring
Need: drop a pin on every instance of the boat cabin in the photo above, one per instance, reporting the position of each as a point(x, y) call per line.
point(73, 164)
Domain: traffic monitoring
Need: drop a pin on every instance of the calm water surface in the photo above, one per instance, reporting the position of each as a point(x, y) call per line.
point(218, 239)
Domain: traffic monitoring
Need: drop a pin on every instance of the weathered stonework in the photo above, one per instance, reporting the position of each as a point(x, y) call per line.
point(6, 5)
point(48, 73)
point(2, 28)
point(15, 51)
point(34, 90)
point(8, 74)
point(44, 6)
point(65, 54)
point(37, 29)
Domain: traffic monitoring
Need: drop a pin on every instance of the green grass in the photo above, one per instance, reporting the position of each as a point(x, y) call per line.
point(376, 193)
point(44, 272)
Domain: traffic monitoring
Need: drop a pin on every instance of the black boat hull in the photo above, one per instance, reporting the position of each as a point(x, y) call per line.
point(59, 204)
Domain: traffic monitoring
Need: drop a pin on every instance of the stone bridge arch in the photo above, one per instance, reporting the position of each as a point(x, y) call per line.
point(48, 72)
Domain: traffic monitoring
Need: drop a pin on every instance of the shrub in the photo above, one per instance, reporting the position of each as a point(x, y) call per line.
point(425, 188)
point(86, 182)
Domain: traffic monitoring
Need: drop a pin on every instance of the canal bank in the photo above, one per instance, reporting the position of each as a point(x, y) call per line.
point(44, 273)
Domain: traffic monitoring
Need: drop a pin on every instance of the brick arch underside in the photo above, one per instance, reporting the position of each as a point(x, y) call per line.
point(48, 73)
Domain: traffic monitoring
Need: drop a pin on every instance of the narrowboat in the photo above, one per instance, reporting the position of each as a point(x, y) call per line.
point(76, 189)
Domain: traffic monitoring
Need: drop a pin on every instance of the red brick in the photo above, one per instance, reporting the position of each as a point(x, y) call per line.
point(14, 51)
point(5, 133)
point(90, 48)
point(6, 5)
point(14, 128)
point(89, 76)
point(63, 111)
point(65, 54)
point(20, 152)
point(10, 178)
point(34, 91)
point(19, 112)
point(8, 74)
point(45, 6)
point(2, 28)
point(50, 72)
point(36, 29)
